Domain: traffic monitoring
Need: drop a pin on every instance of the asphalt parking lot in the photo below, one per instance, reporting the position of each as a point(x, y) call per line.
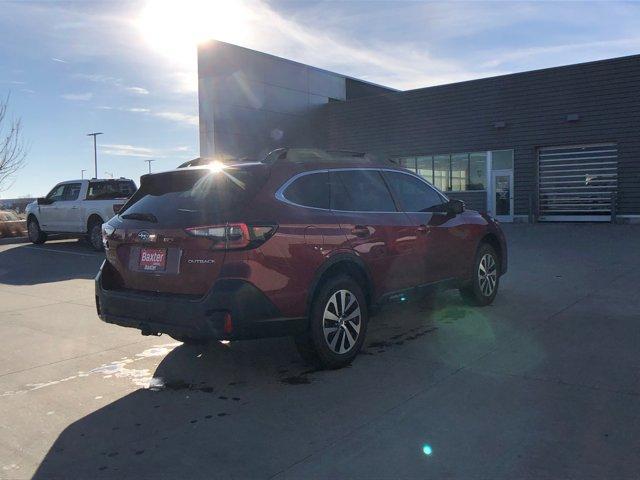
point(543, 384)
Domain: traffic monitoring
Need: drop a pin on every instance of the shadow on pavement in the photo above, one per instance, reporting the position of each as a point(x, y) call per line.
point(52, 262)
point(246, 409)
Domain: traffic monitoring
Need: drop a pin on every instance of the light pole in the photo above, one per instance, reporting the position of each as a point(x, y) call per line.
point(95, 151)
point(149, 162)
point(82, 174)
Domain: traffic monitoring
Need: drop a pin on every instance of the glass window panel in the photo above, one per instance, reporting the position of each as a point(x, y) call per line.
point(459, 171)
point(425, 168)
point(408, 162)
point(414, 194)
point(310, 190)
point(477, 171)
point(502, 160)
point(71, 191)
point(360, 191)
point(441, 172)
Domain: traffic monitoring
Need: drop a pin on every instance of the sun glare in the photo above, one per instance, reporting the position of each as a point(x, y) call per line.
point(174, 28)
point(216, 166)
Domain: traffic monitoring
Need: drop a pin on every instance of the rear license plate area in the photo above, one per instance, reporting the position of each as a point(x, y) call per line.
point(152, 259)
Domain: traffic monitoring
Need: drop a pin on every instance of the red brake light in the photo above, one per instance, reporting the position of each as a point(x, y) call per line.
point(234, 235)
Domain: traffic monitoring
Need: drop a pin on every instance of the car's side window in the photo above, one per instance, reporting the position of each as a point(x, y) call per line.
point(57, 193)
point(71, 191)
point(413, 194)
point(360, 191)
point(310, 190)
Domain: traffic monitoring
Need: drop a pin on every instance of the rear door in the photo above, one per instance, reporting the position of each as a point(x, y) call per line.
point(384, 237)
point(172, 235)
point(424, 205)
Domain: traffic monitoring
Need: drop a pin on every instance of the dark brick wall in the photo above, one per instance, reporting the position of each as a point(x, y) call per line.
point(534, 105)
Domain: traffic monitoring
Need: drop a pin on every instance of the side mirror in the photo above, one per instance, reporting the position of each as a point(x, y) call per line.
point(455, 207)
point(44, 201)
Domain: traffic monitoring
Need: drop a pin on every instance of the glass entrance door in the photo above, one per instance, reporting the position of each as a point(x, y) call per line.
point(502, 197)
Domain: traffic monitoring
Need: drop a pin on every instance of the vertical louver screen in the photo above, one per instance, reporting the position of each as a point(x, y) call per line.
point(577, 183)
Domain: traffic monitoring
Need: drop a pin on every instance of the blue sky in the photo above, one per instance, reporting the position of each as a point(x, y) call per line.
point(128, 69)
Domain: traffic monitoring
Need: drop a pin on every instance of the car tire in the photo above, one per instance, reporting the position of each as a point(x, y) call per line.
point(482, 289)
point(94, 235)
point(36, 235)
point(337, 324)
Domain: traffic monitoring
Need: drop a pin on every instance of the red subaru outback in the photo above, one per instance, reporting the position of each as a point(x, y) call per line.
point(306, 243)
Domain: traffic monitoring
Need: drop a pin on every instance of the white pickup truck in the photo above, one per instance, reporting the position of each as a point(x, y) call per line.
point(78, 208)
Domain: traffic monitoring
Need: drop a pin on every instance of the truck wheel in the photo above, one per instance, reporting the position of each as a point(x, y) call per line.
point(36, 235)
point(94, 235)
point(337, 324)
point(483, 287)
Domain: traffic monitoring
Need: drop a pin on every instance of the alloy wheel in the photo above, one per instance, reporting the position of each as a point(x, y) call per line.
point(341, 321)
point(487, 274)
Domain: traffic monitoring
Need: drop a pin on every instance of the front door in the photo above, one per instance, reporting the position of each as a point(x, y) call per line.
point(502, 197)
point(48, 214)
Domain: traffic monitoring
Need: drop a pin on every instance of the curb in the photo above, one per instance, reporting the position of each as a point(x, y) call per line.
point(11, 240)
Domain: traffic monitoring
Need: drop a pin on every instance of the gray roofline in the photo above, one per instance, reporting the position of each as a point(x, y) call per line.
point(526, 72)
point(206, 42)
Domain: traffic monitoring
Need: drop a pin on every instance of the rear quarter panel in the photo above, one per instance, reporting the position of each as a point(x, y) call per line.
point(285, 266)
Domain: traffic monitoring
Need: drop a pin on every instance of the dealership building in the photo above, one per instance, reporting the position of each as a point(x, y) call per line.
point(558, 144)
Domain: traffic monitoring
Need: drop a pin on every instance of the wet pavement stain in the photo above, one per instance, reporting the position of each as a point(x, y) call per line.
point(399, 339)
point(296, 380)
point(175, 385)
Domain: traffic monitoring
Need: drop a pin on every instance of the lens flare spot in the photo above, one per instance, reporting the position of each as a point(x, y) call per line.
point(427, 450)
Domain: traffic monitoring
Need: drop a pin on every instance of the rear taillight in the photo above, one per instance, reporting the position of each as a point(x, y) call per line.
point(234, 235)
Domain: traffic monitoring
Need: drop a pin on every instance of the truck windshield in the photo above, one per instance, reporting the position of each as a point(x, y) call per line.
point(110, 189)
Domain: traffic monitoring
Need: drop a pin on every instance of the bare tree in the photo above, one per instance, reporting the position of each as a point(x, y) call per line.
point(13, 151)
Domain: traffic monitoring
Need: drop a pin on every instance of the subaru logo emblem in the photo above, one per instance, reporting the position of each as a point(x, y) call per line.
point(144, 236)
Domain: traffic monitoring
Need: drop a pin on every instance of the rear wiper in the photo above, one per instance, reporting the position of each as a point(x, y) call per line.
point(147, 217)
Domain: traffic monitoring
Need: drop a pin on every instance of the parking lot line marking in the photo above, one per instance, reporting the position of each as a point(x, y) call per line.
point(41, 249)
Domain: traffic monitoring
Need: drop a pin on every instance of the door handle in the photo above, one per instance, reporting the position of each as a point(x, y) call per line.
point(74, 208)
point(360, 231)
point(423, 229)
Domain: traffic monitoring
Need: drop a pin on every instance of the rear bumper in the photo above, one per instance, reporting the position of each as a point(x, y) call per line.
point(252, 313)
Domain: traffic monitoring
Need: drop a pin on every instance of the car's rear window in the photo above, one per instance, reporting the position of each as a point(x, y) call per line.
point(192, 197)
point(310, 190)
point(110, 189)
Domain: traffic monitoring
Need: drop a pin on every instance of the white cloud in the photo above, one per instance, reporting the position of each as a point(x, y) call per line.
point(137, 90)
point(78, 97)
point(178, 117)
point(59, 60)
point(136, 110)
point(127, 150)
point(109, 80)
